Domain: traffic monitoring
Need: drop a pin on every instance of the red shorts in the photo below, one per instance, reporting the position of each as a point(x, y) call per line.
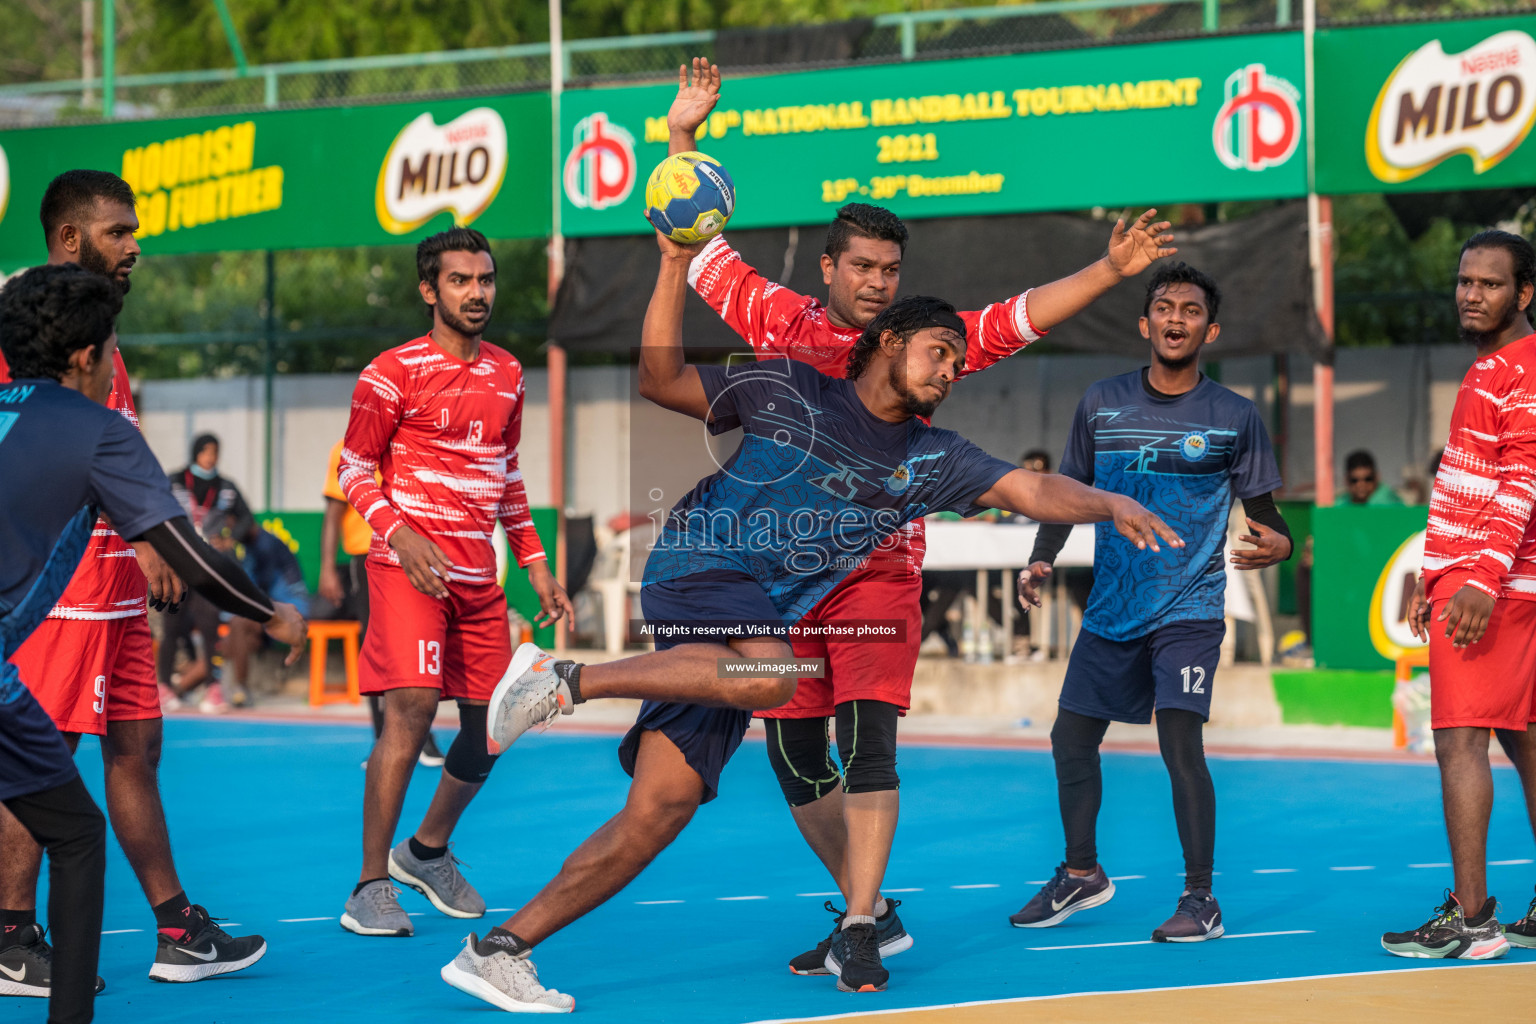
point(459, 645)
point(861, 669)
point(86, 673)
point(1492, 683)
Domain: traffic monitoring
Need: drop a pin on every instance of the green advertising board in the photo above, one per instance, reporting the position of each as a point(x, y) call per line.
point(1364, 567)
point(296, 179)
point(1428, 107)
point(1194, 120)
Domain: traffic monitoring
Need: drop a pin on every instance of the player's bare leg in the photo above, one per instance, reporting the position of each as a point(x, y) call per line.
point(408, 714)
point(871, 829)
point(1520, 748)
point(21, 859)
point(662, 799)
point(825, 831)
point(448, 804)
point(130, 757)
point(1466, 785)
point(690, 673)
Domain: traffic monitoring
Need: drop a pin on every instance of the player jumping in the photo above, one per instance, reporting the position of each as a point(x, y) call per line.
point(91, 664)
point(1184, 446)
point(1479, 581)
point(828, 468)
point(849, 825)
point(440, 417)
point(63, 456)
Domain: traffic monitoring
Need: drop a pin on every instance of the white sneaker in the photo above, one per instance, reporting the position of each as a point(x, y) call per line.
point(531, 693)
point(213, 702)
point(503, 980)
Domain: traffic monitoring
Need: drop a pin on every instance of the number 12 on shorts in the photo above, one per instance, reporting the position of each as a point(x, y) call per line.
point(429, 658)
point(1199, 678)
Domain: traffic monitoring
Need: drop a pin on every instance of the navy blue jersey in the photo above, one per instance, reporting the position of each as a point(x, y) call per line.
point(63, 458)
point(818, 482)
point(1186, 458)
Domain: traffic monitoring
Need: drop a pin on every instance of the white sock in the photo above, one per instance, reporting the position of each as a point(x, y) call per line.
point(857, 919)
point(882, 907)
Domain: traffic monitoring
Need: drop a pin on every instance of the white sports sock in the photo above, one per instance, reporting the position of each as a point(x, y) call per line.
point(882, 907)
point(857, 919)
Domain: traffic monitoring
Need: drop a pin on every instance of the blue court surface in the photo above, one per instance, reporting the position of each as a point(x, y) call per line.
point(1317, 858)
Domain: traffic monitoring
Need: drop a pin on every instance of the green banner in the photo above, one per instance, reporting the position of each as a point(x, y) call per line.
point(1189, 121)
point(1430, 107)
point(299, 179)
point(1359, 577)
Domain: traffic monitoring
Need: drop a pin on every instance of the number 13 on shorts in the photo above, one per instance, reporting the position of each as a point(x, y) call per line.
point(429, 657)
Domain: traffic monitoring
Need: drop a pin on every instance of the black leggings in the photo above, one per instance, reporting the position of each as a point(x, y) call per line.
point(801, 754)
point(66, 822)
point(1075, 743)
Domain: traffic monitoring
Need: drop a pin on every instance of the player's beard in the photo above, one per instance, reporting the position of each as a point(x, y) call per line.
point(1480, 338)
point(457, 322)
point(910, 403)
point(1179, 364)
point(94, 260)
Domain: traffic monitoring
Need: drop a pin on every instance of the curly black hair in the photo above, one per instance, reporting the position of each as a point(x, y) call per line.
point(905, 317)
point(49, 313)
point(861, 220)
point(1182, 273)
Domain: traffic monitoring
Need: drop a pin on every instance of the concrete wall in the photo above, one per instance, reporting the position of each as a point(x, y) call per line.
point(1395, 402)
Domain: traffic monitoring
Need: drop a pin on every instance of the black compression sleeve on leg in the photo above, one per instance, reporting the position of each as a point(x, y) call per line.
point(801, 758)
point(1075, 743)
point(1179, 737)
point(468, 760)
point(66, 822)
point(866, 743)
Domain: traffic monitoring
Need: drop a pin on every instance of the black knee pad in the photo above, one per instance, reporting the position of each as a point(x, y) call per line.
point(467, 759)
point(866, 742)
point(801, 758)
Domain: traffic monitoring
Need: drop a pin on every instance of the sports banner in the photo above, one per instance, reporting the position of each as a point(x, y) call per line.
point(1427, 107)
point(299, 179)
point(1195, 120)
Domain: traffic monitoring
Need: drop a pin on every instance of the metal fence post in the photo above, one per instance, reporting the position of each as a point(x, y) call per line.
point(269, 90)
point(908, 39)
point(1211, 15)
point(268, 373)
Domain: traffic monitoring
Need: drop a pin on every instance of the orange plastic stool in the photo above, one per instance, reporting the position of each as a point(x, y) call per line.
point(320, 635)
point(1406, 663)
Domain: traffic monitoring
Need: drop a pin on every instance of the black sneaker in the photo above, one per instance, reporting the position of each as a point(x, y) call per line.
point(26, 965)
point(1523, 931)
point(1063, 896)
point(854, 956)
point(1197, 918)
point(893, 939)
point(1451, 934)
point(207, 951)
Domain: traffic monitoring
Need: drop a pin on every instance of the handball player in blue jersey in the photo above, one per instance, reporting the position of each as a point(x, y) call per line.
point(826, 470)
point(1185, 447)
point(64, 458)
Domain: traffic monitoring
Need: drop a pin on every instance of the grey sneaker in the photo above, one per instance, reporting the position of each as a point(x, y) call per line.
point(530, 694)
point(440, 881)
point(375, 910)
point(1064, 895)
point(503, 980)
point(1197, 918)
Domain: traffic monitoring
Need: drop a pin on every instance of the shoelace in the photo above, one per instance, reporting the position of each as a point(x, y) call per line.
point(1191, 905)
point(837, 925)
point(861, 942)
point(1443, 914)
point(377, 895)
point(1054, 885)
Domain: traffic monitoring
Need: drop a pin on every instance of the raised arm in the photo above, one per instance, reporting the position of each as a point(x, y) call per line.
point(1131, 250)
point(1054, 498)
point(696, 97)
point(664, 377)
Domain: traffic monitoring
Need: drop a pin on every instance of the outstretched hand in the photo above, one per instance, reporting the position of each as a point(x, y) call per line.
point(1142, 528)
point(697, 94)
point(1134, 249)
point(1270, 547)
point(676, 250)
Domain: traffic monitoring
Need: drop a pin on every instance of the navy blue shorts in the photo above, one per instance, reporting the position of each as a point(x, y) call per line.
point(706, 736)
point(1124, 680)
point(33, 756)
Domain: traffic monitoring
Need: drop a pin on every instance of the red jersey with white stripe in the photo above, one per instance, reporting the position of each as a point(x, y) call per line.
point(777, 322)
point(444, 435)
point(108, 583)
point(1481, 532)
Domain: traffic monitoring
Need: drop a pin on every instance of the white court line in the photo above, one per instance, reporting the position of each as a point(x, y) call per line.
point(1503, 863)
point(501, 910)
point(1429, 865)
point(1042, 881)
point(732, 899)
point(1274, 871)
point(1484, 965)
point(1355, 867)
point(1148, 942)
point(832, 893)
point(654, 903)
point(1124, 878)
point(913, 889)
point(978, 885)
point(300, 920)
point(416, 913)
point(122, 931)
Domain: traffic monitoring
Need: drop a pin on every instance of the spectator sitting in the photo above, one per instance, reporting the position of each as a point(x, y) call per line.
point(1362, 485)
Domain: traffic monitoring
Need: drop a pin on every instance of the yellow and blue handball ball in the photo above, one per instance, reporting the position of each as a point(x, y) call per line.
point(689, 197)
